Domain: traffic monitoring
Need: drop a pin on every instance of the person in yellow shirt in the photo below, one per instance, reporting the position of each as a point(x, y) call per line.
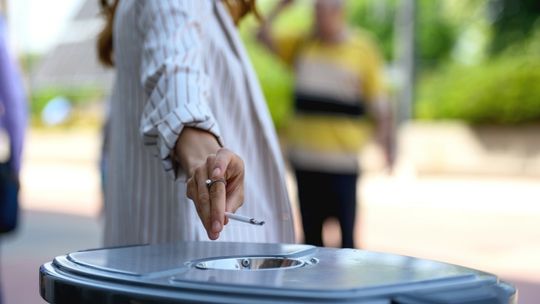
point(338, 104)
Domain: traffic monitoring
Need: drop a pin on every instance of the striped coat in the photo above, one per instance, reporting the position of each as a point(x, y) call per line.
point(181, 63)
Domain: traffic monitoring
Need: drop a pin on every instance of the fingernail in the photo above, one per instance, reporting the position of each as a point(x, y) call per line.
point(216, 172)
point(216, 226)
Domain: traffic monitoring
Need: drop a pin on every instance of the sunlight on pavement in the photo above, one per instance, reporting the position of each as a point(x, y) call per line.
point(60, 172)
point(492, 224)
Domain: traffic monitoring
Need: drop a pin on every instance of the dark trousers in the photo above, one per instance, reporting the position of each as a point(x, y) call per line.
point(325, 195)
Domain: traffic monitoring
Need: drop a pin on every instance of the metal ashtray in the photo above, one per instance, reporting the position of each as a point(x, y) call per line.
point(255, 273)
point(252, 263)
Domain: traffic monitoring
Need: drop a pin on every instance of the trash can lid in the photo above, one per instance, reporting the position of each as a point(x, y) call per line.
point(257, 273)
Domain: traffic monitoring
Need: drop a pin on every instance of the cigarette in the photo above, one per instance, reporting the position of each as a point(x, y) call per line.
point(244, 219)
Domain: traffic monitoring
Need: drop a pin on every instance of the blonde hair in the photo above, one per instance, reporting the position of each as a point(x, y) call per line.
point(238, 9)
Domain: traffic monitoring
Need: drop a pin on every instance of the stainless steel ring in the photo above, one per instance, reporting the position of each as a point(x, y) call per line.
point(210, 182)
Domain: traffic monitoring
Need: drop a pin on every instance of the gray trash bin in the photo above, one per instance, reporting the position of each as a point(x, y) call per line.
point(218, 272)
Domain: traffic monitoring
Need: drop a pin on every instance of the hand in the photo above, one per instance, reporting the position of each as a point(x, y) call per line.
point(212, 202)
point(285, 3)
point(389, 160)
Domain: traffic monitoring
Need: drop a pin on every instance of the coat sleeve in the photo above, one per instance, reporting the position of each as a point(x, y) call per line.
point(173, 76)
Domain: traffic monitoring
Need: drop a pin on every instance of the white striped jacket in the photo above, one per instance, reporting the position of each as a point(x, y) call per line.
point(181, 63)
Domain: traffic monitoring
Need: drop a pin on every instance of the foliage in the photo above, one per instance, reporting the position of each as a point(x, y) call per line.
point(378, 18)
point(435, 33)
point(514, 21)
point(501, 91)
point(436, 37)
point(275, 77)
point(28, 62)
point(276, 81)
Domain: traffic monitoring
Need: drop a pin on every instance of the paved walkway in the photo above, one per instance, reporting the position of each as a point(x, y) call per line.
point(491, 224)
point(41, 237)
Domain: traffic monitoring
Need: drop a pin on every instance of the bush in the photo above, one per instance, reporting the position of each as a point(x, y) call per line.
point(275, 77)
point(276, 82)
point(435, 33)
point(503, 91)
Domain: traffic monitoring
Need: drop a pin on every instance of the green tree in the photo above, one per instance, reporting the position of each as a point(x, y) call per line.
point(436, 34)
point(513, 21)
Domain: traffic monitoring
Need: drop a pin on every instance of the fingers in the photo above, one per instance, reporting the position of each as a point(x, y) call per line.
point(233, 166)
point(230, 166)
point(217, 198)
point(211, 202)
point(227, 165)
point(217, 206)
point(202, 203)
point(221, 163)
point(234, 201)
point(235, 192)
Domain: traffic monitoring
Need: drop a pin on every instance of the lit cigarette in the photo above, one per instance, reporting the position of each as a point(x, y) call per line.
point(244, 219)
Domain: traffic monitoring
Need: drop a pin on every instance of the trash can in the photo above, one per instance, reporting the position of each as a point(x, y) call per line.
point(220, 272)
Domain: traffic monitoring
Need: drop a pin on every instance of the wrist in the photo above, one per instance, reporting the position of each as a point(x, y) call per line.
point(193, 147)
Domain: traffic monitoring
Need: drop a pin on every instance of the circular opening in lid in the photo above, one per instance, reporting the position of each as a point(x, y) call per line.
point(249, 263)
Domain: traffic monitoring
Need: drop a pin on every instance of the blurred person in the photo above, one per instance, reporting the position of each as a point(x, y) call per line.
point(188, 120)
point(338, 91)
point(12, 128)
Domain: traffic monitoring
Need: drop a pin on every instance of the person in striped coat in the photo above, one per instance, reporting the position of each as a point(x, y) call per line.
point(186, 109)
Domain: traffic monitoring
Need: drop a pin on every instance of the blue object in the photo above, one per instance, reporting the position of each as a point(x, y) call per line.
point(9, 198)
point(57, 111)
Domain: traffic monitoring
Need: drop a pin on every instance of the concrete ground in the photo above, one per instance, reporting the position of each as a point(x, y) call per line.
point(490, 223)
point(41, 237)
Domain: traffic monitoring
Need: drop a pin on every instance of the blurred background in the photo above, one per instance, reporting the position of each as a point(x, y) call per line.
point(463, 78)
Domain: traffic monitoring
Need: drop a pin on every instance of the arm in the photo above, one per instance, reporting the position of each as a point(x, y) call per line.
point(380, 108)
point(383, 115)
point(176, 120)
point(264, 34)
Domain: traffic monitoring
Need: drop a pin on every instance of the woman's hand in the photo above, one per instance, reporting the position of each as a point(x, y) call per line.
point(199, 153)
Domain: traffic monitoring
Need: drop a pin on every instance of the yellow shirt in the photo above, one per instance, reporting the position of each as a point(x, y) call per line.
point(335, 85)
